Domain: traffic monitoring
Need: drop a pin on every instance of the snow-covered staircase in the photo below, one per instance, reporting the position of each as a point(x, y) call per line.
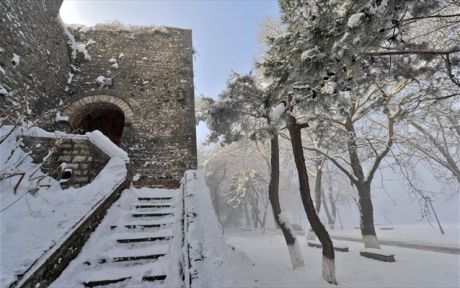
point(130, 247)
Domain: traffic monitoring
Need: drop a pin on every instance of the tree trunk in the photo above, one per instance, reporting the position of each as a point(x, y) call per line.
point(330, 215)
point(318, 227)
point(364, 190)
point(318, 192)
point(246, 214)
point(217, 205)
point(367, 216)
point(273, 195)
point(334, 209)
point(318, 186)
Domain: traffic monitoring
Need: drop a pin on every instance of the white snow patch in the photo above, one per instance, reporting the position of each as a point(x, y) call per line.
point(70, 77)
point(2, 70)
point(61, 118)
point(329, 87)
point(113, 60)
point(74, 45)
point(15, 60)
point(278, 111)
point(104, 81)
point(355, 20)
point(3, 91)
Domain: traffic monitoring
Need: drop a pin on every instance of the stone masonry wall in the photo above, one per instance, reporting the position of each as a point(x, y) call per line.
point(151, 69)
point(80, 155)
point(30, 29)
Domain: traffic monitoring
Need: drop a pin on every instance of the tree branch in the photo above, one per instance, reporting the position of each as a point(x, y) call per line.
point(413, 52)
point(336, 163)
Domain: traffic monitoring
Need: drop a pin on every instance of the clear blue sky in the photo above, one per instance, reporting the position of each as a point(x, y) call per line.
point(224, 31)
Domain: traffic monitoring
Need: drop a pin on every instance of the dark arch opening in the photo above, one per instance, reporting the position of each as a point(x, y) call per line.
point(109, 119)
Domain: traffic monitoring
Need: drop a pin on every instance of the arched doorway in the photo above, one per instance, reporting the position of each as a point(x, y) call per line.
point(108, 114)
point(109, 119)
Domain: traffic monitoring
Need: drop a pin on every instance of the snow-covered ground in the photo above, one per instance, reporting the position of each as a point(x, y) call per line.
point(263, 261)
point(33, 224)
point(414, 233)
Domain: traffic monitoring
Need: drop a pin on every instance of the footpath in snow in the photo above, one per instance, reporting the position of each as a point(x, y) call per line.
point(263, 261)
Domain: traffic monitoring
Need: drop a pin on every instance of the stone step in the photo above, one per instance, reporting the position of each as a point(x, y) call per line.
point(138, 257)
point(154, 278)
point(151, 214)
point(98, 283)
point(144, 239)
point(141, 226)
point(141, 206)
point(153, 198)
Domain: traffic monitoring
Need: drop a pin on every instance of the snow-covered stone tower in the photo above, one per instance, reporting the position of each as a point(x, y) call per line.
point(135, 84)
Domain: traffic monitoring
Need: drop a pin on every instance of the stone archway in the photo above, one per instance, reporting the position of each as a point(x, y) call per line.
point(109, 114)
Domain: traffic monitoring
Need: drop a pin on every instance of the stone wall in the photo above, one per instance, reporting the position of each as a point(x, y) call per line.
point(81, 156)
point(144, 72)
point(38, 74)
point(150, 69)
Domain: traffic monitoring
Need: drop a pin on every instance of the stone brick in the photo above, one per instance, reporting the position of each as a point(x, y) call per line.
point(80, 159)
point(65, 158)
point(81, 179)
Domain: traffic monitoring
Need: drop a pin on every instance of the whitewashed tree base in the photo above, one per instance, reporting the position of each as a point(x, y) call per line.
point(371, 241)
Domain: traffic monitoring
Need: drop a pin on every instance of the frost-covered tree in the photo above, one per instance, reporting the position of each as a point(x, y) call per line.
point(248, 189)
point(433, 136)
point(348, 58)
point(244, 111)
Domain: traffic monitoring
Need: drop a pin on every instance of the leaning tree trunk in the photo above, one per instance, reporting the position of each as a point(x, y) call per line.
point(318, 227)
point(273, 194)
point(367, 216)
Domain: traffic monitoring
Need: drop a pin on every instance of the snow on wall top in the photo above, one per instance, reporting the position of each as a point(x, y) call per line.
point(118, 26)
point(96, 137)
point(103, 142)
